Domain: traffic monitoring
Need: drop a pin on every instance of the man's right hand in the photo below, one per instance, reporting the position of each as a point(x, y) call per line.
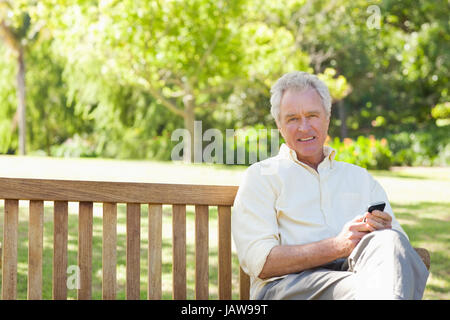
point(286, 259)
point(352, 232)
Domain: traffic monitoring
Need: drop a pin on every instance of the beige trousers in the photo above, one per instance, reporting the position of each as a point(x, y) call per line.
point(382, 266)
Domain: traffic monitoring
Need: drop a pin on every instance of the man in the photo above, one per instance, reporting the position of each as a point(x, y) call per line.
point(301, 229)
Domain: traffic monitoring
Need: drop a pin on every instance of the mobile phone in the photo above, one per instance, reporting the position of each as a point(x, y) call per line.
point(377, 206)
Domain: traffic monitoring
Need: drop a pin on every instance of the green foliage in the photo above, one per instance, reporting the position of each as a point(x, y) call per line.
point(51, 119)
point(121, 76)
point(368, 153)
point(430, 146)
point(74, 148)
point(8, 138)
point(255, 142)
point(338, 86)
point(441, 111)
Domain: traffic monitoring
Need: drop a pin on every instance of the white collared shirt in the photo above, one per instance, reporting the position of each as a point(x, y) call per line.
point(282, 201)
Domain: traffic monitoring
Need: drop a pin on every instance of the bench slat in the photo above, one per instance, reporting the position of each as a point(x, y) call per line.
point(35, 247)
point(109, 254)
point(244, 285)
point(85, 229)
point(154, 251)
point(133, 251)
point(224, 235)
point(119, 192)
point(201, 252)
point(60, 234)
point(179, 251)
point(10, 235)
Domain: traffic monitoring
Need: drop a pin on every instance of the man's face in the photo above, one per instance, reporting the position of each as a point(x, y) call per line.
point(303, 123)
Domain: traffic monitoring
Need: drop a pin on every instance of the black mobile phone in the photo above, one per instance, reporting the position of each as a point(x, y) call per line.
point(377, 206)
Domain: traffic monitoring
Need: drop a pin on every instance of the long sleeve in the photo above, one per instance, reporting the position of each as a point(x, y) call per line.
point(254, 221)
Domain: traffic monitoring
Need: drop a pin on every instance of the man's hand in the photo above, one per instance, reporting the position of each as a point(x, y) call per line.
point(351, 234)
point(378, 220)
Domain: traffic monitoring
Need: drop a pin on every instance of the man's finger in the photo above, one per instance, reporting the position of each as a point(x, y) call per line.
point(377, 223)
point(374, 225)
point(375, 218)
point(360, 226)
point(360, 234)
point(382, 215)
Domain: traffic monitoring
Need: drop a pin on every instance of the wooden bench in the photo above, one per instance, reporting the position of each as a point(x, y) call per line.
point(110, 194)
point(86, 193)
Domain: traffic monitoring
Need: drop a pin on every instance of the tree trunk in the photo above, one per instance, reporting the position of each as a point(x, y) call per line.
point(189, 118)
point(343, 118)
point(21, 107)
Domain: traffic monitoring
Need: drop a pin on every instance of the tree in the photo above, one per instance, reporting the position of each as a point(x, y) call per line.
point(137, 70)
point(184, 53)
point(14, 27)
point(398, 68)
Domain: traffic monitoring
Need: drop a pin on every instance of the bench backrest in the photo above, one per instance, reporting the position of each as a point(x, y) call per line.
point(110, 194)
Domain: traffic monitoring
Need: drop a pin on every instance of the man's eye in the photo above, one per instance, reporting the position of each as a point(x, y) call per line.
point(292, 119)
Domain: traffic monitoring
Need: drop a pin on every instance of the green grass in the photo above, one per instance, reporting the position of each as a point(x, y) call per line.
point(428, 226)
point(419, 197)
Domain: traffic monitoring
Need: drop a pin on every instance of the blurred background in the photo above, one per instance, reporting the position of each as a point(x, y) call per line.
point(95, 89)
point(114, 79)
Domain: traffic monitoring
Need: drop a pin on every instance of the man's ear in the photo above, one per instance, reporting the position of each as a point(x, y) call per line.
point(279, 128)
point(277, 122)
point(280, 131)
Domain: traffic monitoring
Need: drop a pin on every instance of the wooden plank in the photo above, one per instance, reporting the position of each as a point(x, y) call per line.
point(154, 251)
point(60, 234)
point(224, 235)
point(118, 192)
point(85, 229)
point(133, 251)
point(35, 247)
point(201, 252)
point(10, 235)
point(109, 254)
point(244, 285)
point(179, 251)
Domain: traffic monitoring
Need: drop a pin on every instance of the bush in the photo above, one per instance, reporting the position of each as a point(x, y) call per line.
point(368, 153)
point(427, 147)
point(252, 141)
point(74, 147)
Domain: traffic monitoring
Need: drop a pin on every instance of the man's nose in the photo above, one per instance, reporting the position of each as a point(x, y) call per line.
point(303, 125)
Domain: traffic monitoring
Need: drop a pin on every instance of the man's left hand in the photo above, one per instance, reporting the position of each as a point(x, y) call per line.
point(378, 220)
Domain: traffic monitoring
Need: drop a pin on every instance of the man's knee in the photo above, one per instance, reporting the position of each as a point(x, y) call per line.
point(389, 238)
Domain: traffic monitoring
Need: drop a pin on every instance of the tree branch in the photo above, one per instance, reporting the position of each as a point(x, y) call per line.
point(155, 92)
point(8, 36)
point(158, 95)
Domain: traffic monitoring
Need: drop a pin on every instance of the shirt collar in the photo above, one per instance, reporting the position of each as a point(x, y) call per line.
point(287, 153)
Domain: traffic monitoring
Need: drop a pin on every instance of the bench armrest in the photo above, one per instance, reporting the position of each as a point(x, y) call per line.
point(424, 255)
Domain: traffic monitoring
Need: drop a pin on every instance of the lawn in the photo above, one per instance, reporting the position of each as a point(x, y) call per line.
point(419, 197)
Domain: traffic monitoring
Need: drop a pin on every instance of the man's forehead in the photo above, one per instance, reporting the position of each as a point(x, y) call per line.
point(290, 110)
point(293, 114)
point(296, 101)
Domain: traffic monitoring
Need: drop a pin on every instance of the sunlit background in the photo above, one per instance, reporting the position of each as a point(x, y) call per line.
point(94, 90)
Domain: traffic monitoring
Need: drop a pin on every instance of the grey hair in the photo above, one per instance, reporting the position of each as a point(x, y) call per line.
point(298, 80)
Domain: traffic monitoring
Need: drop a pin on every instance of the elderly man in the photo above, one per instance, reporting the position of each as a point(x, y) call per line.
point(302, 230)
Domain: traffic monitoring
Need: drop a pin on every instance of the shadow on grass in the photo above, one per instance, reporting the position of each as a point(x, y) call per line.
point(402, 175)
point(428, 226)
point(22, 266)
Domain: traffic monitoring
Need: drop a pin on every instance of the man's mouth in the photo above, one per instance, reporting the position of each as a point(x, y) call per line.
point(306, 139)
